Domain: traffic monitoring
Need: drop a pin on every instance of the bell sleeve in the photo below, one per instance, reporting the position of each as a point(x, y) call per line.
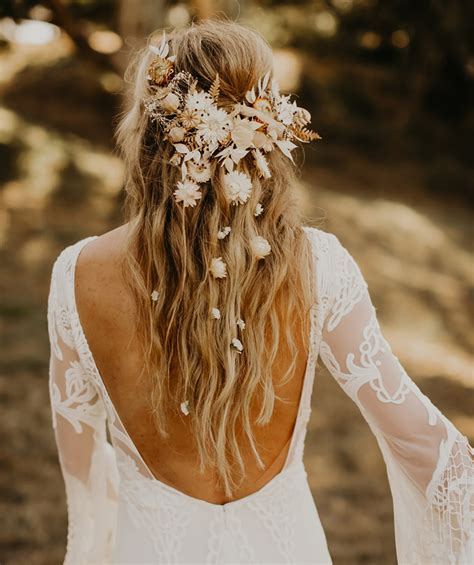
point(79, 421)
point(429, 462)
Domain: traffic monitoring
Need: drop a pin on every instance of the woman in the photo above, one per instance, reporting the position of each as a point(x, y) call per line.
point(191, 334)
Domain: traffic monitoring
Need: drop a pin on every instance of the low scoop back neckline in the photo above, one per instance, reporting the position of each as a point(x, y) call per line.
point(288, 465)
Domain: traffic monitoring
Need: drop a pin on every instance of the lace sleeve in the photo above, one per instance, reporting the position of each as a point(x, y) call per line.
point(78, 414)
point(429, 462)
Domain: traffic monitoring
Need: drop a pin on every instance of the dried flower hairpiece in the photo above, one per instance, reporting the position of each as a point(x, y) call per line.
point(201, 133)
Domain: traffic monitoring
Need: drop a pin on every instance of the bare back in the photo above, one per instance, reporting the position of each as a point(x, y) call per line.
point(106, 312)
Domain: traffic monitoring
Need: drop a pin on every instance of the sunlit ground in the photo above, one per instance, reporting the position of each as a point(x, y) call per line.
point(61, 182)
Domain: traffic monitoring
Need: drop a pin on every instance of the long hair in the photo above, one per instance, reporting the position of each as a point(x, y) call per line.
point(187, 353)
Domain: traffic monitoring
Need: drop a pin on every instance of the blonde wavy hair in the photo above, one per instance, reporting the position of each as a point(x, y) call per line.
point(187, 354)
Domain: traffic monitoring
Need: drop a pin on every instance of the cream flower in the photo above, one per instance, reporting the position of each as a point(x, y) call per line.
point(243, 132)
point(214, 128)
point(199, 172)
point(237, 187)
point(258, 210)
point(224, 232)
point(218, 268)
point(154, 295)
point(188, 193)
point(241, 324)
point(237, 345)
point(199, 101)
point(170, 103)
point(185, 407)
point(216, 313)
point(176, 134)
point(260, 247)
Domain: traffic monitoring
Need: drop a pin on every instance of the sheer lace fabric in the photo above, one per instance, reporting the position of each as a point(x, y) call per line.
point(119, 513)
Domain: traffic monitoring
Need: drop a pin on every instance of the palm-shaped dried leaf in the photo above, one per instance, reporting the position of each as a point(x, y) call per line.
point(304, 134)
point(215, 87)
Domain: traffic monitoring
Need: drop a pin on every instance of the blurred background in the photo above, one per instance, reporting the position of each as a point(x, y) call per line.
point(389, 85)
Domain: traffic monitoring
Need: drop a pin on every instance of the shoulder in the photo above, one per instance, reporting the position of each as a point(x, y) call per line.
point(323, 243)
point(92, 250)
point(336, 268)
point(99, 262)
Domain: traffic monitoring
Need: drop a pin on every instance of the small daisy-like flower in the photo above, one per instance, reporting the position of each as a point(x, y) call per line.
point(199, 172)
point(258, 210)
point(199, 101)
point(154, 295)
point(241, 324)
point(237, 345)
point(216, 313)
point(218, 268)
point(185, 407)
point(260, 247)
point(224, 232)
point(214, 127)
point(188, 193)
point(190, 119)
point(237, 187)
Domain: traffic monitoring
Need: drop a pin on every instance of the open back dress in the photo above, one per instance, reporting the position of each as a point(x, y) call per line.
point(118, 512)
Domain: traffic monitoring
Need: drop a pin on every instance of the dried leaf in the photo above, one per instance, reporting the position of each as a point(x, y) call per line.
point(307, 135)
point(262, 164)
point(229, 164)
point(214, 91)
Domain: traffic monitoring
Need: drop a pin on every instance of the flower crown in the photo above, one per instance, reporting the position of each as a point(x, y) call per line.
point(201, 131)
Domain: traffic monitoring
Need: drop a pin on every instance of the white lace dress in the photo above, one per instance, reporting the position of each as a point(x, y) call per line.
point(118, 513)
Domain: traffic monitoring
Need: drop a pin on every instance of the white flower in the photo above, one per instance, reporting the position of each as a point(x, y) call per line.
point(216, 313)
point(260, 247)
point(176, 134)
point(214, 128)
point(199, 101)
point(170, 103)
point(185, 407)
point(224, 232)
point(154, 295)
point(218, 268)
point(237, 187)
point(199, 172)
point(188, 193)
point(237, 345)
point(287, 110)
point(243, 132)
point(258, 210)
point(241, 324)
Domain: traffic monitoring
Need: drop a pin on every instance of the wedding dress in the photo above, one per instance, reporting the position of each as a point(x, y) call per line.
point(119, 513)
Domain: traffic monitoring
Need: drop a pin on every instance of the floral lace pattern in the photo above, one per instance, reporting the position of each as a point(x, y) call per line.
point(423, 451)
